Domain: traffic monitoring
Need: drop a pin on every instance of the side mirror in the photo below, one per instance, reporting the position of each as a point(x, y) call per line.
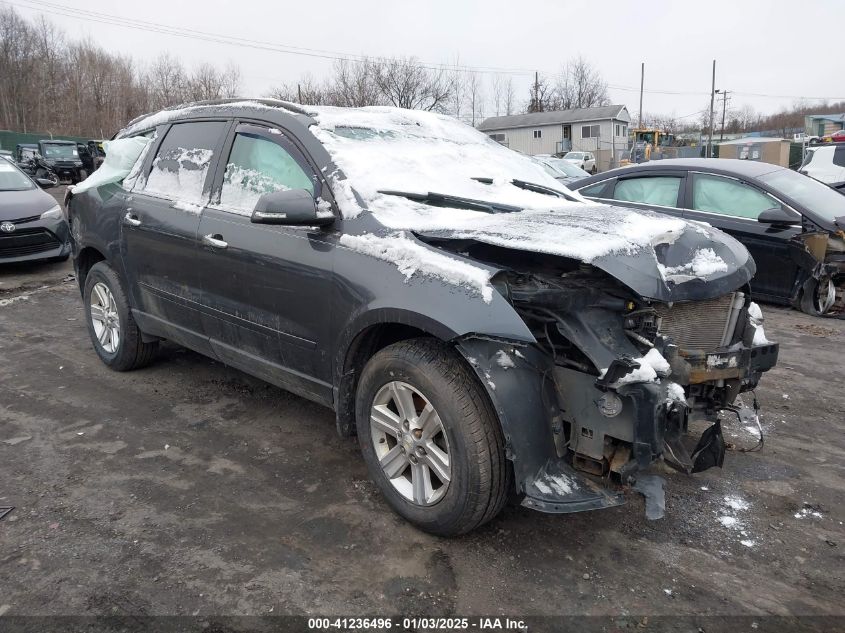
point(289, 206)
point(778, 216)
point(45, 183)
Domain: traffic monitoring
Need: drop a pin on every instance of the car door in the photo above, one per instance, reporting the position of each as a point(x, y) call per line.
point(652, 191)
point(266, 288)
point(733, 205)
point(160, 220)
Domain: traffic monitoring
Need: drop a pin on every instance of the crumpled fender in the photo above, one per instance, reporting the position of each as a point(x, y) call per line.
point(520, 383)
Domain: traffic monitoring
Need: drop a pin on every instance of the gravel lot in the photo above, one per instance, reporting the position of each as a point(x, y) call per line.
point(191, 488)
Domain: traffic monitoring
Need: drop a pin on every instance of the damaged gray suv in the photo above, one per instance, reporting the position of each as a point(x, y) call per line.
point(484, 332)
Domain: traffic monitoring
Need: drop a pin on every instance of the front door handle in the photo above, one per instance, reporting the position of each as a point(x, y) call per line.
point(131, 219)
point(215, 240)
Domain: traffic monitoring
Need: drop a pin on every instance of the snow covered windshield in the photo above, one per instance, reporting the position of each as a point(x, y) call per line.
point(388, 149)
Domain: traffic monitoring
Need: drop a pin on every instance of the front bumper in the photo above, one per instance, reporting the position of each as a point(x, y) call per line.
point(34, 241)
point(563, 448)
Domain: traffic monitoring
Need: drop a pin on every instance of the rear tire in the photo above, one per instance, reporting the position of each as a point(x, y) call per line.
point(114, 333)
point(415, 387)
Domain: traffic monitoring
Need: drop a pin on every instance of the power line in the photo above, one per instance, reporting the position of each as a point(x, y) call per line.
point(154, 27)
point(218, 38)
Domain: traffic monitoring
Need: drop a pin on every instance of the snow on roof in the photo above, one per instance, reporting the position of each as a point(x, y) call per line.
point(163, 116)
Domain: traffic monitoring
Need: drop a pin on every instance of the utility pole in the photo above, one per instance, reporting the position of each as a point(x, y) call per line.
point(642, 82)
point(724, 94)
point(712, 103)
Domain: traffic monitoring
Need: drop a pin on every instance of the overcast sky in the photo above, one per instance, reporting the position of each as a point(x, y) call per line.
point(782, 48)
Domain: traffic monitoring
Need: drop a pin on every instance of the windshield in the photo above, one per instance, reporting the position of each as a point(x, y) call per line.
point(60, 150)
point(566, 167)
point(388, 149)
point(578, 155)
point(12, 179)
point(816, 196)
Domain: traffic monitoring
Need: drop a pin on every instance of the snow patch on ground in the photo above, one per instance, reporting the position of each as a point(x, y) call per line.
point(413, 257)
point(805, 512)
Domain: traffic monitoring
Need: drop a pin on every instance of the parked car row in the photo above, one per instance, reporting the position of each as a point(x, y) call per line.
point(482, 330)
point(792, 225)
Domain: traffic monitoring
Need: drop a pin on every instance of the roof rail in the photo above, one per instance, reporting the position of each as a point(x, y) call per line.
point(265, 101)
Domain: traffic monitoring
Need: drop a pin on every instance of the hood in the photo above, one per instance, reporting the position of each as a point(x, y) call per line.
point(657, 256)
point(24, 204)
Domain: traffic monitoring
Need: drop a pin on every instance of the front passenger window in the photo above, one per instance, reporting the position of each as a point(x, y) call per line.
point(657, 190)
point(258, 165)
point(729, 197)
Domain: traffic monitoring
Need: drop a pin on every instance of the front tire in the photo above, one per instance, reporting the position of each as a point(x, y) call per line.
point(114, 333)
point(430, 437)
point(820, 297)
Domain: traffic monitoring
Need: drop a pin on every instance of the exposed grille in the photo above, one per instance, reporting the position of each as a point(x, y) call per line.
point(27, 242)
point(699, 325)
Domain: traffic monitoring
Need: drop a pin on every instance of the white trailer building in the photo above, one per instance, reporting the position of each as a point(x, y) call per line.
point(602, 130)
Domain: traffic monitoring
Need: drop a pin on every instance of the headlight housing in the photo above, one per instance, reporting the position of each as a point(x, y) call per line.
point(52, 213)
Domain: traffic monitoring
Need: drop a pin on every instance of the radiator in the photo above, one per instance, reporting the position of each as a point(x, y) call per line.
point(701, 325)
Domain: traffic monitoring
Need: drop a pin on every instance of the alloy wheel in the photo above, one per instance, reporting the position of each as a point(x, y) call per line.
point(825, 295)
point(410, 443)
point(105, 318)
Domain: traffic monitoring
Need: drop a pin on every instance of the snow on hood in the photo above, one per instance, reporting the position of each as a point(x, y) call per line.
point(389, 149)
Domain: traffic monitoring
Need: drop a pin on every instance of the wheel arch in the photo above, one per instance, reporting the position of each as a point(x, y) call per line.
point(372, 332)
point(85, 261)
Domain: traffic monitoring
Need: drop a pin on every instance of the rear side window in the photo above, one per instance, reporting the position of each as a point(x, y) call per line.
point(181, 165)
point(729, 197)
point(657, 190)
point(261, 162)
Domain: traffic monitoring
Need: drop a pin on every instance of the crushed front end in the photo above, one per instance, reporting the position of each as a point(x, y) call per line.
point(622, 380)
point(631, 374)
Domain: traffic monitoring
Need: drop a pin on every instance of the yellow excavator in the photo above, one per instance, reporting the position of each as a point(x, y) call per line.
point(648, 143)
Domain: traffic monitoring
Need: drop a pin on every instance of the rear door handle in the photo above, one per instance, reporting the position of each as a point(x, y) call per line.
point(131, 219)
point(215, 240)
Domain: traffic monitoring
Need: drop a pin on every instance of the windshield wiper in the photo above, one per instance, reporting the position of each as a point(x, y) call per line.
point(445, 200)
point(532, 186)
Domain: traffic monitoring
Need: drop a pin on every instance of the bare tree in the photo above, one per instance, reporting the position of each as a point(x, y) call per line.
point(354, 84)
point(476, 98)
point(307, 91)
point(543, 96)
point(510, 97)
point(167, 81)
point(580, 85)
point(497, 90)
point(405, 83)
